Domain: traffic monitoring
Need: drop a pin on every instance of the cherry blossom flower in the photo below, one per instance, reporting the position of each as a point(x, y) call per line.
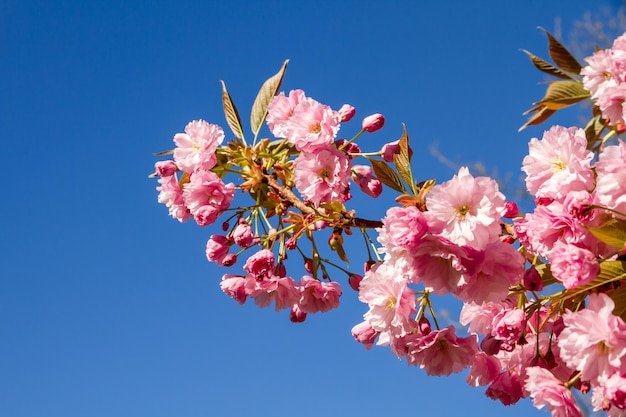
point(322, 176)
point(260, 264)
point(312, 126)
point(206, 196)
point(363, 176)
point(365, 334)
point(506, 387)
point(281, 109)
point(235, 287)
point(171, 195)
point(572, 265)
point(243, 235)
point(611, 183)
point(546, 390)
point(558, 163)
point(484, 370)
point(266, 289)
point(403, 228)
point(594, 340)
point(316, 295)
point(195, 149)
point(391, 302)
point(466, 210)
point(217, 249)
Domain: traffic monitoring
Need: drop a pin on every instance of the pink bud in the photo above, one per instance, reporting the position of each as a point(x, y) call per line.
point(165, 168)
point(217, 249)
point(511, 210)
point(308, 265)
point(296, 315)
point(243, 235)
point(354, 281)
point(347, 112)
point(291, 243)
point(532, 280)
point(225, 226)
point(229, 260)
point(424, 326)
point(364, 333)
point(373, 123)
point(388, 150)
point(363, 176)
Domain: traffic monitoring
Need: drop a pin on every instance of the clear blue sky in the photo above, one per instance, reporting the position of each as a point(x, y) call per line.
point(108, 307)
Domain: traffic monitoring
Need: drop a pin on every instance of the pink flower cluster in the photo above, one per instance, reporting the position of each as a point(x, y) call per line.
point(605, 78)
point(200, 193)
point(560, 174)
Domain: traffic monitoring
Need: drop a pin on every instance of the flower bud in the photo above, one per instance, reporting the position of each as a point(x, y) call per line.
point(364, 333)
point(243, 235)
point(373, 123)
point(347, 112)
point(308, 265)
point(229, 260)
point(217, 249)
point(532, 280)
point(165, 168)
point(363, 176)
point(388, 150)
point(354, 281)
point(424, 325)
point(296, 315)
point(510, 210)
point(291, 243)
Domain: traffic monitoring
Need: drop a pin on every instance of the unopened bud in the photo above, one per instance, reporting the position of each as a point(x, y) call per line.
point(225, 226)
point(347, 112)
point(373, 123)
point(354, 281)
point(296, 315)
point(532, 280)
point(510, 210)
point(291, 243)
point(388, 150)
point(308, 265)
point(424, 325)
point(165, 168)
point(229, 260)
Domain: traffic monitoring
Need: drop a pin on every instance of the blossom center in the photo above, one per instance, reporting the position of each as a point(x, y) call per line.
point(463, 210)
point(324, 173)
point(315, 128)
point(559, 165)
point(391, 303)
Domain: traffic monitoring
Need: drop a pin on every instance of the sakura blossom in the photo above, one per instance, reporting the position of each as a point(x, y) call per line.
point(171, 195)
point(206, 196)
point(195, 149)
point(546, 390)
point(322, 176)
point(572, 265)
point(466, 210)
point(611, 184)
point(316, 296)
point(558, 163)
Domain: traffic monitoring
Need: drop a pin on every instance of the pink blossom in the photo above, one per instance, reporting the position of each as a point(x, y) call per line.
point(243, 235)
point(364, 333)
point(347, 112)
point(171, 195)
point(373, 122)
point(558, 163)
point(316, 295)
point(260, 264)
point(165, 168)
point(442, 352)
point(312, 126)
point(439, 265)
point(480, 317)
point(206, 196)
point(195, 149)
point(594, 340)
point(391, 302)
point(484, 370)
point(281, 109)
point(506, 387)
point(388, 150)
point(466, 210)
point(235, 287)
point(363, 176)
point(217, 249)
point(509, 325)
point(611, 395)
point(546, 390)
point(322, 176)
point(403, 227)
point(611, 182)
point(572, 265)
point(271, 288)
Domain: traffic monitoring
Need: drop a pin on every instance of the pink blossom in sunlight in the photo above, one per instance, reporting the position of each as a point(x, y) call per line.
point(442, 352)
point(217, 249)
point(611, 184)
point(266, 289)
point(316, 295)
point(546, 390)
point(206, 196)
point(403, 228)
point(195, 149)
point(171, 195)
point(506, 387)
point(373, 122)
point(322, 176)
point(391, 302)
point(572, 265)
point(365, 334)
point(484, 370)
point(594, 340)
point(466, 210)
point(281, 109)
point(312, 126)
point(243, 235)
point(235, 287)
point(558, 163)
point(260, 264)
point(480, 316)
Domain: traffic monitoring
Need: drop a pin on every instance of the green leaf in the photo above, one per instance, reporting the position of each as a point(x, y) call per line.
point(402, 160)
point(612, 233)
point(619, 298)
point(562, 94)
point(403, 145)
point(231, 113)
point(268, 90)
point(561, 56)
point(387, 175)
point(545, 66)
point(163, 153)
point(611, 271)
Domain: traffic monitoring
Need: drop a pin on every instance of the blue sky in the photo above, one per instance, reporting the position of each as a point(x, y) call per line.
point(108, 307)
